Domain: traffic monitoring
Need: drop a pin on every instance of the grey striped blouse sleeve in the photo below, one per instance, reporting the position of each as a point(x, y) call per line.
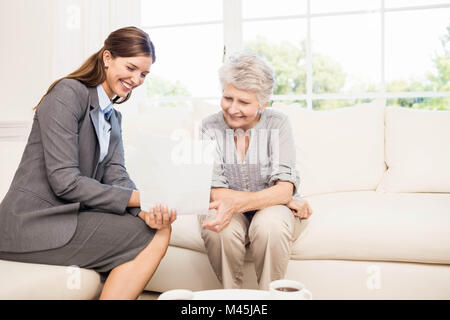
point(282, 153)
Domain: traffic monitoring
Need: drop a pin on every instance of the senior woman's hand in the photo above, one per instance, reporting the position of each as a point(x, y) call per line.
point(225, 212)
point(300, 208)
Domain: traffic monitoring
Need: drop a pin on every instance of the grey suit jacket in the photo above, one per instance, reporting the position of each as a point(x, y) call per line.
point(59, 173)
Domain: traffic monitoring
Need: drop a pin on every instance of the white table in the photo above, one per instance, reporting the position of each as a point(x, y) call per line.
point(227, 294)
point(232, 294)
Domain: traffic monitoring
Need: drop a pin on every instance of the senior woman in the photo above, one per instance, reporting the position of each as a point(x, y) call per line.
point(255, 183)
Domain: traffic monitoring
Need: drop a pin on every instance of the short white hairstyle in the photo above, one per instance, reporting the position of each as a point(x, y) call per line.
point(247, 71)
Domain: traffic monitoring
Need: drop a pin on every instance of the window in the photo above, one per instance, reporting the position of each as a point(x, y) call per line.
point(283, 48)
point(325, 53)
point(188, 39)
point(417, 56)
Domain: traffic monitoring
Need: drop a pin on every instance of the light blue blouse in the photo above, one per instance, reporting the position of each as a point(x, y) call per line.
point(103, 125)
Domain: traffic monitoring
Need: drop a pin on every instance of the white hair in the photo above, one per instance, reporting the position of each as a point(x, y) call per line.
point(248, 71)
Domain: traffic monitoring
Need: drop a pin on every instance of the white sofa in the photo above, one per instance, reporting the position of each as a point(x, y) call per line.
point(36, 281)
point(377, 179)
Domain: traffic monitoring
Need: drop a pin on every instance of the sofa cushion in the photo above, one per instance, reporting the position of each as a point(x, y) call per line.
point(410, 227)
point(417, 151)
point(361, 225)
point(338, 150)
point(186, 233)
point(28, 281)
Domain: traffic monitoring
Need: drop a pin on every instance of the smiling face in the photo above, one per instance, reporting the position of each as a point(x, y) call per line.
point(124, 74)
point(240, 107)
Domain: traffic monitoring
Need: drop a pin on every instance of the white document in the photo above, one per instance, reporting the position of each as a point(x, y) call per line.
point(175, 172)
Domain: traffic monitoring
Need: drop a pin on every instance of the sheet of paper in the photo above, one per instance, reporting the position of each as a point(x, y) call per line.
point(174, 172)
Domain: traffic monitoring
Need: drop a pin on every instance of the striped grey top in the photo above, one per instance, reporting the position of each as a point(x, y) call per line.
point(270, 156)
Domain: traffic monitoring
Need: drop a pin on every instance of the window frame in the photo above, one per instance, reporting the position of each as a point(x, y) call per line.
point(233, 41)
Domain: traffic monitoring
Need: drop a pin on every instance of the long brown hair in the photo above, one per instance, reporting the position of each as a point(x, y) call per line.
point(124, 42)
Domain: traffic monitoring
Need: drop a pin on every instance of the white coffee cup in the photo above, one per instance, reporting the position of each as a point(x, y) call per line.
point(177, 294)
point(289, 290)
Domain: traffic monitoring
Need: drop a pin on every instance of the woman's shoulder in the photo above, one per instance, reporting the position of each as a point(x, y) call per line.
point(214, 120)
point(73, 86)
point(275, 118)
point(70, 92)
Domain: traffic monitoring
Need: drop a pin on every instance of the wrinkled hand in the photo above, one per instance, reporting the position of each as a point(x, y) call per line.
point(300, 208)
point(158, 217)
point(225, 212)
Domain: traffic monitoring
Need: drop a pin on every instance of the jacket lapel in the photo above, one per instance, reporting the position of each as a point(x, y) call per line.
point(94, 113)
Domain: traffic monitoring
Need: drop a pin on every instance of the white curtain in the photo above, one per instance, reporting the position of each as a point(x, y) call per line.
point(43, 40)
point(81, 26)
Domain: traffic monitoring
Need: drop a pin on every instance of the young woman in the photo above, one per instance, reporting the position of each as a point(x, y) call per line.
point(255, 183)
point(71, 201)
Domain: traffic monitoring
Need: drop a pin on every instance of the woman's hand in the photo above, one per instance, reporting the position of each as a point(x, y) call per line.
point(158, 217)
point(225, 212)
point(300, 208)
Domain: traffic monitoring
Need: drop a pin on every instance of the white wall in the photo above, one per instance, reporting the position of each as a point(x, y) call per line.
point(25, 56)
point(43, 40)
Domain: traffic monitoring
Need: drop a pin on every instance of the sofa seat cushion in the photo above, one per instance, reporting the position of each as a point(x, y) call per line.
point(186, 233)
point(361, 225)
point(368, 225)
point(30, 281)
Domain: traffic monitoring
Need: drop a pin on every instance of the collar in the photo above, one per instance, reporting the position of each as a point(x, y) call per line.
point(103, 99)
